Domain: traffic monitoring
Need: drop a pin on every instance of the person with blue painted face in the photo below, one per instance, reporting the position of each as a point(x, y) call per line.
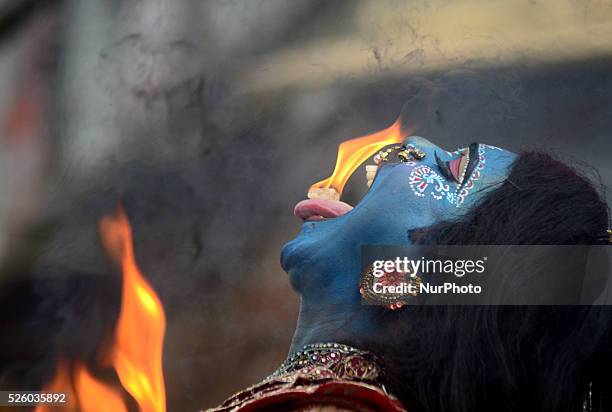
point(324, 263)
point(349, 356)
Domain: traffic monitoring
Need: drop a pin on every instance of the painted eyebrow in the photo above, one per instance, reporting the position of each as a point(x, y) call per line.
point(444, 168)
point(472, 162)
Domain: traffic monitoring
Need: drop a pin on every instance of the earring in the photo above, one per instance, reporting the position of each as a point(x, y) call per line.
point(400, 286)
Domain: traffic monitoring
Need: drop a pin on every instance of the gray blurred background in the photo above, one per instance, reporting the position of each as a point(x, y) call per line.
point(209, 120)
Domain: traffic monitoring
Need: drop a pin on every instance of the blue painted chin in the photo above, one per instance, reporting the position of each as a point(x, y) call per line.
point(323, 261)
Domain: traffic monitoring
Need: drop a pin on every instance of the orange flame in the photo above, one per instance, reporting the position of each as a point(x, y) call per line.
point(62, 382)
point(95, 396)
point(139, 337)
point(352, 153)
point(136, 351)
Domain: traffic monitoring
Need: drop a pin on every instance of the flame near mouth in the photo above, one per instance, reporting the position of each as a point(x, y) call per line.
point(136, 350)
point(352, 153)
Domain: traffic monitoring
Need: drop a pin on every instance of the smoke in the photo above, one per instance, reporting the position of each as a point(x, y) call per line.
point(210, 120)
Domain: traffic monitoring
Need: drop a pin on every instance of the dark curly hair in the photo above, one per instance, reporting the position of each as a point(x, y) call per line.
point(508, 358)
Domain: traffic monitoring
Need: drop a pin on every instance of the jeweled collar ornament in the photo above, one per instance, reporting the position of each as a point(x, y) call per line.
point(332, 359)
point(321, 374)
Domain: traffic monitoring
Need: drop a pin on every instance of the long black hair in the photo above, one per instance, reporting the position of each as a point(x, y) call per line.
point(508, 358)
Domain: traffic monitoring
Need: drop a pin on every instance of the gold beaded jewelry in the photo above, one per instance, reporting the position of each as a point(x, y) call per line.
point(404, 154)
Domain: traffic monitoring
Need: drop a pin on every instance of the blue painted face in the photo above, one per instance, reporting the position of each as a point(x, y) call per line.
point(324, 261)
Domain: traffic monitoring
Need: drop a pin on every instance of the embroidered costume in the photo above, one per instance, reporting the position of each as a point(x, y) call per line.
point(320, 375)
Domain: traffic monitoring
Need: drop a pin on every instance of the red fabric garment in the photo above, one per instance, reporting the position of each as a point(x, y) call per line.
point(297, 391)
point(321, 374)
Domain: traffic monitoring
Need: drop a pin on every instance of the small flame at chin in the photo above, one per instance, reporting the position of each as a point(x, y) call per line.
point(352, 153)
point(136, 350)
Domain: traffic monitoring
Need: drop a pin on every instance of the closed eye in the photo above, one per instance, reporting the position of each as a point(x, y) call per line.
point(459, 168)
